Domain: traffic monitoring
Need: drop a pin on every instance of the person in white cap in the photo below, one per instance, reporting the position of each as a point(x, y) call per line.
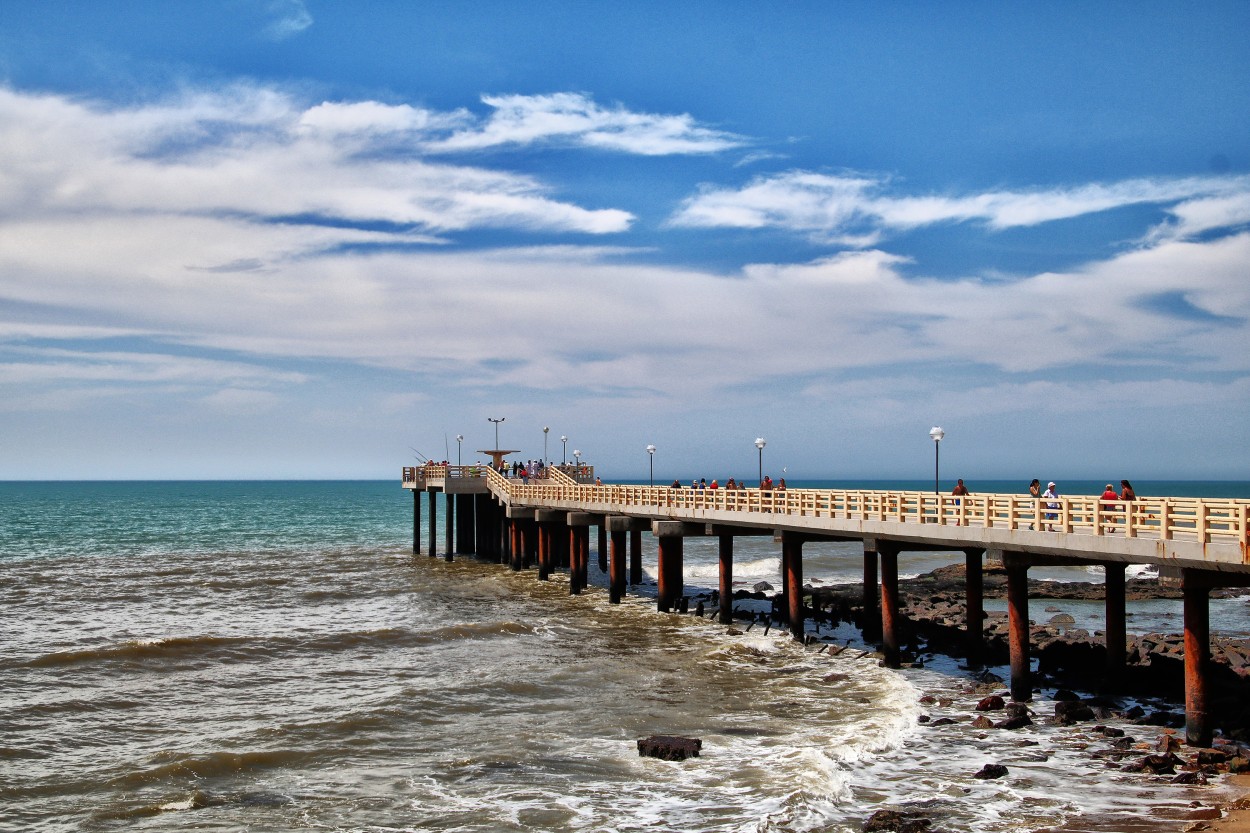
point(1051, 492)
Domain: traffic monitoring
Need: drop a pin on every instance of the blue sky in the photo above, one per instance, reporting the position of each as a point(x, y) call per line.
point(274, 238)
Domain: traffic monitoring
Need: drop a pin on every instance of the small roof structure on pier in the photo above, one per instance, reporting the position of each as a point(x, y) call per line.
point(497, 455)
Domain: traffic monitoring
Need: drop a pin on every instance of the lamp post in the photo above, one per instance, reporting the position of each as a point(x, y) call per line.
point(937, 434)
point(564, 455)
point(459, 440)
point(760, 442)
point(545, 430)
point(651, 454)
point(496, 421)
point(577, 455)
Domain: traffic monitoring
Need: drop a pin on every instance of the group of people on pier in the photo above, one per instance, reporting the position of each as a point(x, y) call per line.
point(731, 484)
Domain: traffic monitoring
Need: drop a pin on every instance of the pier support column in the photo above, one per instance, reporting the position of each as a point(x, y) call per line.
point(529, 530)
point(889, 605)
point(520, 535)
point(871, 626)
point(1198, 730)
point(635, 557)
point(550, 523)
point(465, 524)
point(514, 544)
point(792, 578)
point(616, 583)
point(670, 542)
point(579, 550)
point(433, 523)
point(1018, 625)
point(603, 547)
point(1117, 628)
point(726, 552)
point(416, 521)
point(450, 537)
point(974, 604)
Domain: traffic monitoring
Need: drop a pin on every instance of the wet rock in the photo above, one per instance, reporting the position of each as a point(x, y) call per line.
point(734, 632)
point(982, 722)
point(1018, 722)
point(895, 821)
point(1160, 764)
point(669, 747)
point(1168, 744)
point(762, 587)
point(991, 703)
point(1211, 757)
point(991, 771)
point(943, 721)
point(1068, 712)
point(1190, 778)
point(1064, 694)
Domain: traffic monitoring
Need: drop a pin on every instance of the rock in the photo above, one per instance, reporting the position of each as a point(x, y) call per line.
point(1068, 712)
point(893, 821)
point(982, 722)
point(762, 587)
point(1190, 778)
point(943, 721)
point(1063, 619)
point(1065, 694)
point(1018, 722)
point(1159, 764)
point(991, 771)
point(733, 632)
point(991, 703)
point(1211, 757)
point(669, 747)
point(1168, 744)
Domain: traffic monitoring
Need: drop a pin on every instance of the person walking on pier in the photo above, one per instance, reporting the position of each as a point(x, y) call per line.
point(1051, 492)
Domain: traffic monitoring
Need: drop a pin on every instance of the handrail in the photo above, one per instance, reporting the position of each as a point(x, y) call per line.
point(1209, 520)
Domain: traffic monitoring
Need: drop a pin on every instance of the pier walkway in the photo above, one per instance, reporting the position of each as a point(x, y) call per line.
point(1203, 543)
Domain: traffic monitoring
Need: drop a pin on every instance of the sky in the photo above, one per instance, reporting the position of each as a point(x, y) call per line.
point(313, 239)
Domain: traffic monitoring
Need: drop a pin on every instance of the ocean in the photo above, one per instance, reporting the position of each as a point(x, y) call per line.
point(271, 656)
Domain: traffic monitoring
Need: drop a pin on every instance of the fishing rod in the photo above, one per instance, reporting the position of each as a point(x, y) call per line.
point(420, 456)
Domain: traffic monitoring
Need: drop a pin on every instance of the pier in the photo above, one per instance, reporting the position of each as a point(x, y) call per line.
point(547, 523)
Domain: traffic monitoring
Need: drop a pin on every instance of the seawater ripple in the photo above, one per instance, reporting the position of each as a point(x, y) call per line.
point(234, 657)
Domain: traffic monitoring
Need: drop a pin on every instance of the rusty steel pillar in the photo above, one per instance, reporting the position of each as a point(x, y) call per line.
point(530, 531)
point(579, 550)
point(514, 544)
point(889, 606)
point(1117, 629)
point(450, 538)
point(603, 546)
point(872, 610)
point(792, 579)
point(670, 540)
point(416, 521)
point(548, 521)
point(575, 562)
point(635, 557)
point(505, 536)
point(1198, 731)
point(433, 523)
point(974, 604)
point(726, 551)
point(1018, 625)
point(616, 583)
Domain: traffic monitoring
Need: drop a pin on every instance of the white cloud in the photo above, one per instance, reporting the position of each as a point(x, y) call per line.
point(251, 153)
point(576, 119)
point(290, 17)
point(859, 210)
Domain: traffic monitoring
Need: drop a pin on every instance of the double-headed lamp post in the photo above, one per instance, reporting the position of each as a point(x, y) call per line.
point(937, 434)
point(545, 430)
point(564, 455)
point(760, 442)
point(459, 440)
point(651, 454)
point(496, 421)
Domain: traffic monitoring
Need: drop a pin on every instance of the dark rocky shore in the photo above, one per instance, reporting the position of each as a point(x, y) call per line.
point(1068, 657)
